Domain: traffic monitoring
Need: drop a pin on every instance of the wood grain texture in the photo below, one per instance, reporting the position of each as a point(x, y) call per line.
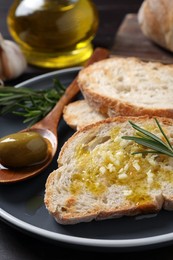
point(130, 41)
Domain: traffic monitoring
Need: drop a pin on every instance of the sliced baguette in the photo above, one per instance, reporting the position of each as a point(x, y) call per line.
point(78, 114)
point(128, 86)
point(98, 177)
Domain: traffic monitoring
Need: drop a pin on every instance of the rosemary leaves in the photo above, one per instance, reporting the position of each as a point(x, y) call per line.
point(29, 103)
point(149, 140)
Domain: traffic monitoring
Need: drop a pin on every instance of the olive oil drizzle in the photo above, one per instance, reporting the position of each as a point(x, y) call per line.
point(112, 163)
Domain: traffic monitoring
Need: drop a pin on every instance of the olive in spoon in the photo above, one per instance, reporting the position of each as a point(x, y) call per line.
point(47, 128)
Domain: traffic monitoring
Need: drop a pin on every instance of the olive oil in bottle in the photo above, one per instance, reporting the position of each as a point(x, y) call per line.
point(54, 33)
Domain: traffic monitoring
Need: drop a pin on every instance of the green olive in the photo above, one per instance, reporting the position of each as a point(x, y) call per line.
point(23, 149)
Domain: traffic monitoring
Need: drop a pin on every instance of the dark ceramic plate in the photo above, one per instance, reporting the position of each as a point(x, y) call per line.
point(22, 206)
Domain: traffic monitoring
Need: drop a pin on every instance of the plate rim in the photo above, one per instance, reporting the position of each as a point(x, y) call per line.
point(76, 240)
point(91, 242)
point(48, 74)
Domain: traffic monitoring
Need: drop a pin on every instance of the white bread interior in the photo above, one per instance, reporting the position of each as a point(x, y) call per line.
point(98, 177)
point(128, 86)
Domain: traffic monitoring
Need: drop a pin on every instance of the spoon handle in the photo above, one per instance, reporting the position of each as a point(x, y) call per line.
point(51, 120)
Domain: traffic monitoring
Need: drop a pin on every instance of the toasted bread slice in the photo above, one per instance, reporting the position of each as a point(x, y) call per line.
point(128, 86)
point(78, 114)
point(99, 178)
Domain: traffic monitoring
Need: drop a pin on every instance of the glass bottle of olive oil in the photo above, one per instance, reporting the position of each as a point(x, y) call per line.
point(54, 33)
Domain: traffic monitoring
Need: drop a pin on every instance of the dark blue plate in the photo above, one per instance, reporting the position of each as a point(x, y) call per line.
point(22, 206)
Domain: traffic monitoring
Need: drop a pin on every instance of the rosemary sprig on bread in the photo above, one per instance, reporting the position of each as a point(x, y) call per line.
point(149, 140)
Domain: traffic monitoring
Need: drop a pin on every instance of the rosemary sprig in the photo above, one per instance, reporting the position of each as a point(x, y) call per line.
point(149, 140)
point(31, 104)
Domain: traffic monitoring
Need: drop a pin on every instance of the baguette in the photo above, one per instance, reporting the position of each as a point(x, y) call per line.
point(78, 114)
point(98, 178)
point(155, 18)
point(128, 87)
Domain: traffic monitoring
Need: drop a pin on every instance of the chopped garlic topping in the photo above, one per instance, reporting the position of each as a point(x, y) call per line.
point(149, 177)
point(122, 176)
point(111, 167)
point(102, 169)
point(136, 165)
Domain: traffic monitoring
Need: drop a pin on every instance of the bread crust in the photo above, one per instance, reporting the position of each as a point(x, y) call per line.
point(155, 19)
point(98, 97)
point(72, 208)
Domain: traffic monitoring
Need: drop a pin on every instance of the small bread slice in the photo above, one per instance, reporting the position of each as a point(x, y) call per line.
point(128, 86)
point(99, 178)
point(78, 114)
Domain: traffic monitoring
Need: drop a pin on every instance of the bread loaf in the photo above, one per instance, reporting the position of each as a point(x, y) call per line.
point(155, 18)
point(128, 86)
point(98, 177)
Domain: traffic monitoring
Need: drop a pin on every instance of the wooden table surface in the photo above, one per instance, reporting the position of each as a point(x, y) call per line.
point(14, 244)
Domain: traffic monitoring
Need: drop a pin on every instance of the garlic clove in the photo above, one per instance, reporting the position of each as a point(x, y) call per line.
point(12, 60)
point(1, 83)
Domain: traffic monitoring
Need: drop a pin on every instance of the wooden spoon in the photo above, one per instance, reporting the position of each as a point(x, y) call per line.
point(47, 127)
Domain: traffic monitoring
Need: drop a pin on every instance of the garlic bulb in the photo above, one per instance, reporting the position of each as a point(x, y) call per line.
point(1, 83)
point(12, 60)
